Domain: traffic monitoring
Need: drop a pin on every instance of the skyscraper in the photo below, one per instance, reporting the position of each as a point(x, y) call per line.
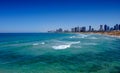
point(105, 27)
point(77, 29)
point(90, 28)
point(72, 29)
point(66, 30)
point(111, 29)
point(108, 28)
point(119, 26)
point(101, 28)
point(83, 29)
point(59, 30)
point(114, 27)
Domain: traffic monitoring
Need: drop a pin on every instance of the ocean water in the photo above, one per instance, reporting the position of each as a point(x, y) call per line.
point(59, 53)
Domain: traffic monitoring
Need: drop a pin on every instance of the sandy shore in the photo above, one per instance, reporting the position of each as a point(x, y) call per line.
point(111, 33)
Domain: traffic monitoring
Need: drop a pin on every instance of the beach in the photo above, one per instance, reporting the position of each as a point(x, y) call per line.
point(112, 33)
point(109, 33)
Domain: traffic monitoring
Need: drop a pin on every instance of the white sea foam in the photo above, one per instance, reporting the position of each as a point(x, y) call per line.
point(72, 37)
point(43, 43)
point(84, 36)
point(61, 47)
point(79, 36)
point(74, 42)
point(65, 45)
point(93, 38)
point(34, 44)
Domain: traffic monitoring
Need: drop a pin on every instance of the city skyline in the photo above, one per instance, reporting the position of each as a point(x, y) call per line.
point(102, 28)
point(44, 15)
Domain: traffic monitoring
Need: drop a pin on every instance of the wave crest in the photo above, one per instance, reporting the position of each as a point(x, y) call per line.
point(74, 42)
point(61, 47)
point(43, 43)
point(79, 36)
point(65, 45)
point(34, 44)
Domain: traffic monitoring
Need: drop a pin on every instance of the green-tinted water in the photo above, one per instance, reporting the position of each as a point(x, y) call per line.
point(59, 53)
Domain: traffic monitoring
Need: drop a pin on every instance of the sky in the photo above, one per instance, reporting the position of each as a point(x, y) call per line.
point(44, 15)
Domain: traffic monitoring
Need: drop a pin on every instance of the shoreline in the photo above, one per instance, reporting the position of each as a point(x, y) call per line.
point(110, 33)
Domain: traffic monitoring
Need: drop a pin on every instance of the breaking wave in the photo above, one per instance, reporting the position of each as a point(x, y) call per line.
point(43, 43)
point(61, 47)
point(93, 38)
point(34, 44)
point(74, 42)
point(72, 37)
point(83, 36)
point(65, 46)
point(79, 36)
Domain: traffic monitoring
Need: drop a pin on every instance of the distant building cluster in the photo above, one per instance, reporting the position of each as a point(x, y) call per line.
point(102, 28)
point(108, 28)
point(78, 29)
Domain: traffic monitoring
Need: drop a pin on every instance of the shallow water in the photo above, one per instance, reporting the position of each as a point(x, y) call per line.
point(59, 53)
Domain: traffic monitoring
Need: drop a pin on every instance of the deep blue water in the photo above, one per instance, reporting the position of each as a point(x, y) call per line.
point(59, 53)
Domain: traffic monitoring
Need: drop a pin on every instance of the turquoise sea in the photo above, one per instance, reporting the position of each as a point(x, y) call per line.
point(59, 53)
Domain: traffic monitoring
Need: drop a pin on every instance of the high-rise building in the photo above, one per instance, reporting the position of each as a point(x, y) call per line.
point(101, 28)
point(72, 29)
point(66, 30)
point(77, 29)
point(83, 29)
point(119, 26)
point(111, 29)
point(105, 27)
point(90, 28)
point(108, 28)
point(114, 27)
point(59, 30)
